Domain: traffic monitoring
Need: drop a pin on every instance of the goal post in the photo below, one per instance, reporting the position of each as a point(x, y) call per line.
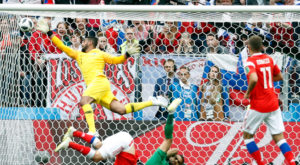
point(41, 86)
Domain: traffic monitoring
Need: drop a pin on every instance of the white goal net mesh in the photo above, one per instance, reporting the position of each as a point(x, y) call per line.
point(40, 87)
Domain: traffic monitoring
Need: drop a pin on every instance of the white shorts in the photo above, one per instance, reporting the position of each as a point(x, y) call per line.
point(273, 120)
point(113, 145)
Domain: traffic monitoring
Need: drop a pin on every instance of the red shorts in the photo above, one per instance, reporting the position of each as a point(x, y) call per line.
point(125, 158)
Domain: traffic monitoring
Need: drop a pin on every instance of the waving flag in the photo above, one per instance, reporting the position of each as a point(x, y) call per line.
point(234, 79)
point(228, 37)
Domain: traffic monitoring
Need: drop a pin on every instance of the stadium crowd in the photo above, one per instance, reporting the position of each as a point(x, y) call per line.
point(185, 38)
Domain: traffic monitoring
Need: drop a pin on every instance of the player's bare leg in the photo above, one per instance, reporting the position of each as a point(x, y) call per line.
point(285, 148)
point(122, 109)
point(85, 103)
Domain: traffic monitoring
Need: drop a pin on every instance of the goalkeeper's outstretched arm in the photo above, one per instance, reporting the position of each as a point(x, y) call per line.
point(44, 28)
point(127, 51)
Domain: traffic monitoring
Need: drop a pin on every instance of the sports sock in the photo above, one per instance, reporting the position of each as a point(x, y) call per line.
point(90, 153)
point(169, 127)
point(254, 151)
point(86, 137)
point(89, 115)
point(133, 107)
point(286, 151)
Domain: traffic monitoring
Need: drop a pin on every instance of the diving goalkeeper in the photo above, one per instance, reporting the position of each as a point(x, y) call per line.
point(91, 62)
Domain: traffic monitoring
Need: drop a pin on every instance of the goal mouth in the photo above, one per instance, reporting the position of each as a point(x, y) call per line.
point(190, 52)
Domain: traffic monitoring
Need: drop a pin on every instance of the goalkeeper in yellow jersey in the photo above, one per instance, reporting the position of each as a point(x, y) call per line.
point(91, 62)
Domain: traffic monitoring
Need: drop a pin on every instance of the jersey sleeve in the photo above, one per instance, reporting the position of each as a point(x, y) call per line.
point(70, 52)
point(276, 70)
point(249, 67)
point(113, 59)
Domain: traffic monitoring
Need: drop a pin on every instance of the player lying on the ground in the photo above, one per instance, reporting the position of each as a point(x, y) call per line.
point(164, 155)
point(92, 62)
point(261, 73)
point(119, 145)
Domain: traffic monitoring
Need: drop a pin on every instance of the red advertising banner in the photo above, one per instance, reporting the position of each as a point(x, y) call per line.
point(217, 143)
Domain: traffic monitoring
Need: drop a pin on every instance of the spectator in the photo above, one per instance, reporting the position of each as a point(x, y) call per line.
point(211, 101)
point(189, 107)
point(282, 36)
point(21, 2)
point(39, 45)
point(198, 30)
point(76, 40)
point(81, 26)
point(168, 40)
point(186, 45)
point(145, 32)
point(63, 32)
point(224, 2)
point(115, 32)
point(130, 39)
point(7, 44)
point(281, 2)
point(141, 30)
point(103, 44)
point(213, 45)
point(161, 88)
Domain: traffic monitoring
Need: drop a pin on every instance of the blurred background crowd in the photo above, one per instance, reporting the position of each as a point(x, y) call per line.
point(204, 101)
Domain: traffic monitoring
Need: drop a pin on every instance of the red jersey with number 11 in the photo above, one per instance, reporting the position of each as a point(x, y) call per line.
point(263, 97)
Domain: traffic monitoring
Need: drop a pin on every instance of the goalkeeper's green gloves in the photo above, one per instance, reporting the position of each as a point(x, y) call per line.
point(130, 49)
point(133, 49)
point(43, 26)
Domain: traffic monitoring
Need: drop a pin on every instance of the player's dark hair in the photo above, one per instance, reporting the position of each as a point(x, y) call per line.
point(94, 41)
point(255, 42)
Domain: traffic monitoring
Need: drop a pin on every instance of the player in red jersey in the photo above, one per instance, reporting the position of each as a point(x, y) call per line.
point(119, 146)
point(261, 73)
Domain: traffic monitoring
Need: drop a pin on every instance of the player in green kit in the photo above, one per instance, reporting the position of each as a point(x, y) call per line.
point(164, 155)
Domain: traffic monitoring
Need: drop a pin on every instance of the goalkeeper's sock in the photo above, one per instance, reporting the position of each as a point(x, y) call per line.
point(169, 127)
point(86, 137)
point(89, 115)
point(90, 153)
point(133, 107)
point(254, 151)
point(286, 151)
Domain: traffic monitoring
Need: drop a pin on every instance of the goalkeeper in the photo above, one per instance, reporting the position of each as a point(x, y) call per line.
point(164, 155)
point(91, 62)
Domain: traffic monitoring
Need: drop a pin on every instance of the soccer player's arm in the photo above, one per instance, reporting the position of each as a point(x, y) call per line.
point(277, 76)
point(251, 73)
point(60, 45)
point(114, 59)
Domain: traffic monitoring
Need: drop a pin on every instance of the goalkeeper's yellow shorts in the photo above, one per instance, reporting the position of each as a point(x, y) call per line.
point(99, 89)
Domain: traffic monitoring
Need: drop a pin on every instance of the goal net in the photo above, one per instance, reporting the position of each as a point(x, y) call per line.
point(183, 49)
